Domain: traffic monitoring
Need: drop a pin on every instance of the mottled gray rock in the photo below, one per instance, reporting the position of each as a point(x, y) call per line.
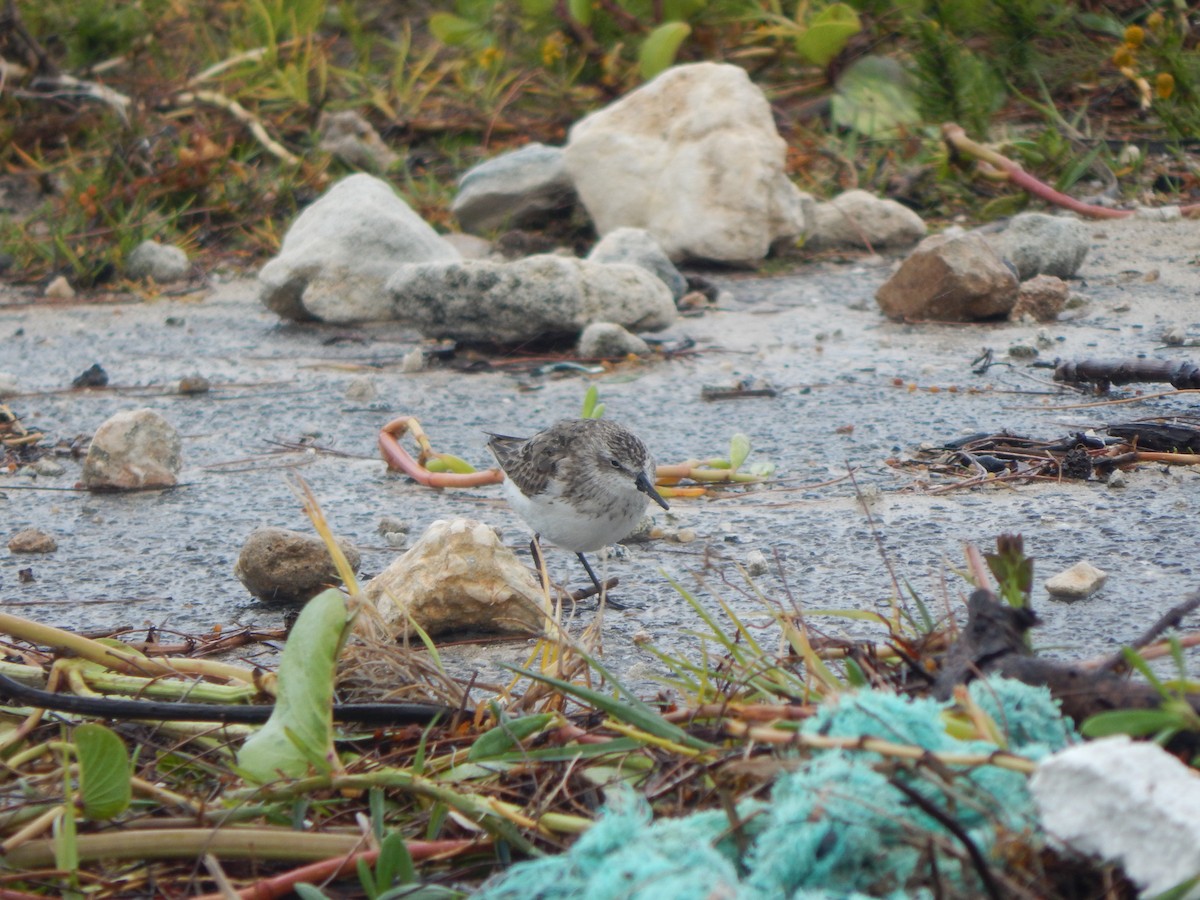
point(48, 468)
point(860, 219)
point(607, 340)
point(162, 262)
point(457, 577)
point(958, 279)
point(341, 250)
point(133, 449)
point(538, 297)
point(513, 190)
point(638, 247)
point(1042, 297)
point(281, 565)
point(695, 159)
point(32, 540)
point(352, 139)
point(1038, 244)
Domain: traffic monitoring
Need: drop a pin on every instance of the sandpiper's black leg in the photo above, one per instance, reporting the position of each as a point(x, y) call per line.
point(599, 588)
point(535, 550)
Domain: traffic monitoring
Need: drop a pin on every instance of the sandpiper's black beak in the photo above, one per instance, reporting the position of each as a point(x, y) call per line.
point(646, 487)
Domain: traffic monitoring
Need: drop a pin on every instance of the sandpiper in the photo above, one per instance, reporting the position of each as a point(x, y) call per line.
point(581, 484)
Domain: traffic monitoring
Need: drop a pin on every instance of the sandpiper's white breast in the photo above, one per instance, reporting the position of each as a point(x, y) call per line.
point(584, 526)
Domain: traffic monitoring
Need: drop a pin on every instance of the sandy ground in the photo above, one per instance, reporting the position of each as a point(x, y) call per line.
point(166, 558)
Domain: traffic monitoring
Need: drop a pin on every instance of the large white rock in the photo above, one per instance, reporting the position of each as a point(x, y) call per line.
point(694, 158)
point(131, 450)
point(338, 254)
point(1128, 801)
point(544, 296)
point(457, 577)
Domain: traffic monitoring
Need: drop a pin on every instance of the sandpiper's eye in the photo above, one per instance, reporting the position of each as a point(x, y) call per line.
point(616, 463)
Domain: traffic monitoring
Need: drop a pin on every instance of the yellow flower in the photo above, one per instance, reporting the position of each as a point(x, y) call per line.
point(1134, 36)
point(1155, 20)
point(1164, 85)
point(1123, 58)
point(554, 48)
point(488, 57)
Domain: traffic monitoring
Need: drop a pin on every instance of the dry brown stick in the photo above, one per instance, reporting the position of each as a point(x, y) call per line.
point(243, 115)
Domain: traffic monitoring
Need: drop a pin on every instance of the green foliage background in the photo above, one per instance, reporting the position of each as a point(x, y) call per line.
point(448, 86)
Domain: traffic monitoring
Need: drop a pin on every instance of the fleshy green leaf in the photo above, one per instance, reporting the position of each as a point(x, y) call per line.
point(681, 10)
point(536, 9)
point(1135, 722)
point(739, 449)
point(394, 865)
point(507, 735)
point(592, 407)
point(453, 30)
point(447, 462)
point(658, 50)
point(300, 728)
point(104, 785)
point(875, 98)
point(581, 11)
point(828, 33)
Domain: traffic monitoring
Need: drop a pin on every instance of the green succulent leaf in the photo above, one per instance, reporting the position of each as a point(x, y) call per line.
point(453, 30)
point(1135, 722)
point(299, 733)
point(681, 10)
point(739, 449)
point(658, 50)
point(875, 98)
point(581, 11)
point(104, 779)
point(446, 462)
point(507, 735)
point(828, 33)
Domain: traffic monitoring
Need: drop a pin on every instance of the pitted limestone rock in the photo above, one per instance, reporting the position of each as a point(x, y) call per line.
point(458, 577)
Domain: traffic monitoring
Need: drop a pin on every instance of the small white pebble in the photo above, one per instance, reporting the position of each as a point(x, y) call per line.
point(684, 536)
point(1081, 580)
point(59, 289)
point(361, 390)
point(414, 361)
point(48, 468)
point(1117, 479)
point(756, 563)
point(1174, 336)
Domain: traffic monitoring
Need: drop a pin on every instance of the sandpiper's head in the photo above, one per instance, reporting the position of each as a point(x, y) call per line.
point(621, 459)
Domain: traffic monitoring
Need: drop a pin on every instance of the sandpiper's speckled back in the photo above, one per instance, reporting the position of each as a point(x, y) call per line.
point(581, 484)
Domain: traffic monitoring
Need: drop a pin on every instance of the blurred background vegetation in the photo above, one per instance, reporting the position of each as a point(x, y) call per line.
point(196, 121)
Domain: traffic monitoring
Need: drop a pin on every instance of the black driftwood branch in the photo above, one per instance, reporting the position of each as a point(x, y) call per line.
point(142, 710)
point(993, 643)
point(1103, 372)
